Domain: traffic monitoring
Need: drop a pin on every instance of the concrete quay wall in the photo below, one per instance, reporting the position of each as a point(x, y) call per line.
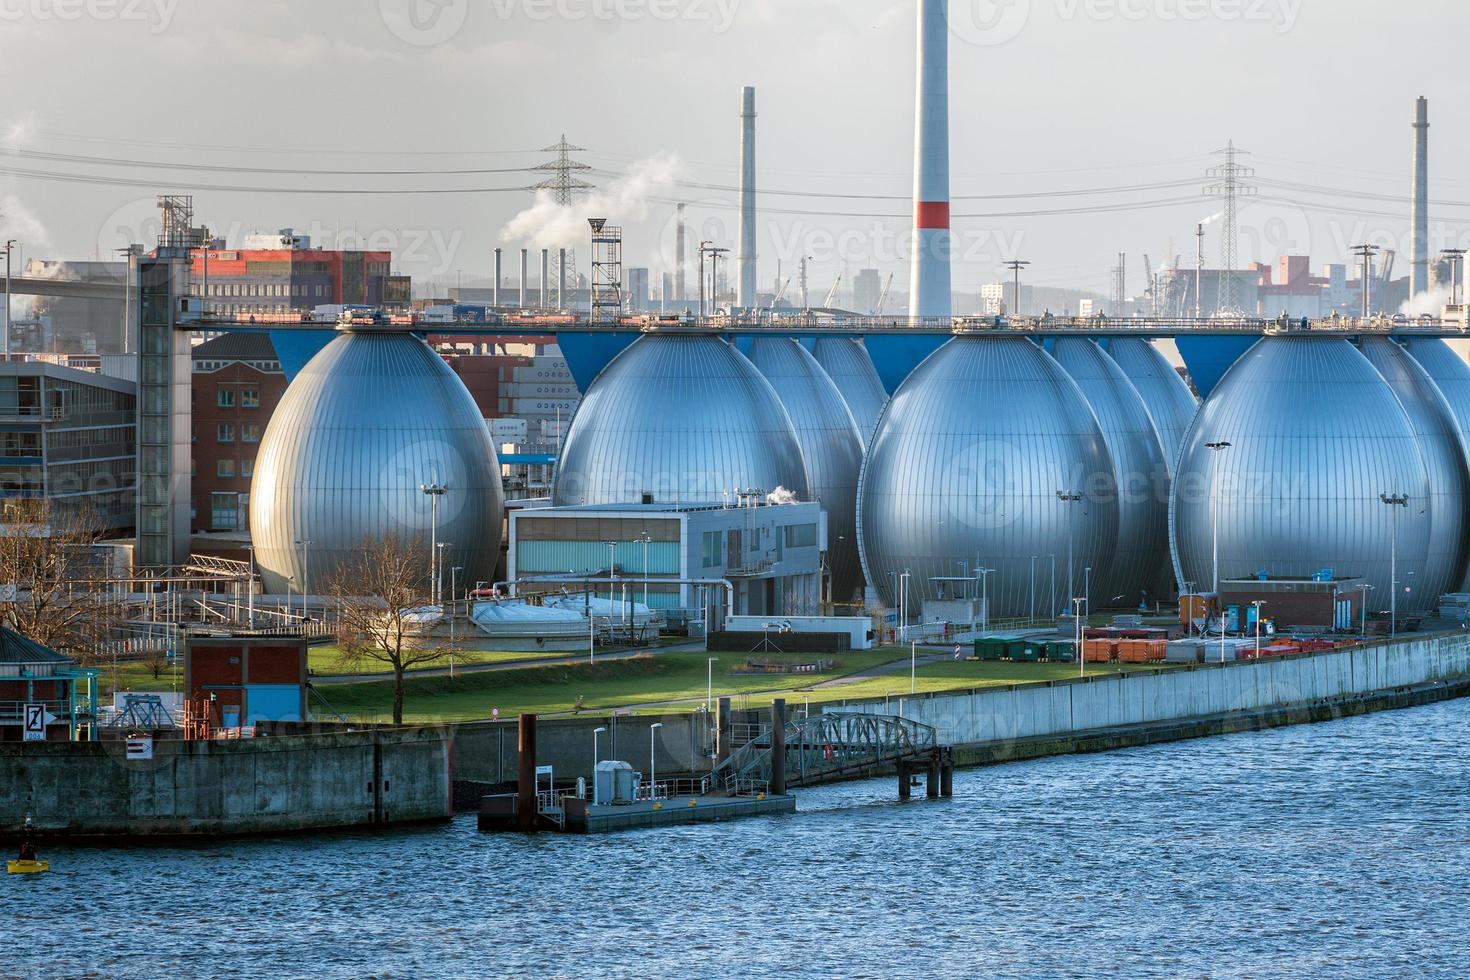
point(269, 785)
point(1210, 693)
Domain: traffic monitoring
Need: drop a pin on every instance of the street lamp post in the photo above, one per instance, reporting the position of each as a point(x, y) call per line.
point(653, 760)
point(1394, 502)
point(434, 491)
point(1077, 636)
point(985, 574)
point(903, 605)
point(1217, 448)
point(1069, 497)
point(595, 732)
point(1258, 603)
point(709, 695)
point(305, 547)
point(646, 539)
point(439, 572)
point(250, 589)
point(1365, 588)
point(453, 634)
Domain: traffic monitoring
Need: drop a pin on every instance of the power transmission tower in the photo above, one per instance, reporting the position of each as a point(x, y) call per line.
point(607, 271)
point(1230, 181)
point(564, 186)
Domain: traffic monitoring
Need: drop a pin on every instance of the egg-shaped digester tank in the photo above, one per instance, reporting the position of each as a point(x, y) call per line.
point(1170, 403)
point(1443, 450)
point(830, 444)
point(1141, 477)
point(1309, 440)
point(374, 417)
point(970, 466)
point(851, 369)
point(678, 418)
point(1451, 375)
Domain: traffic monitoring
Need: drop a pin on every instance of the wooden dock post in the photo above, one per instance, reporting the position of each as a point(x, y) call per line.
point(526, 810)
point(904, 777)
point(723, 747)
point(778, 747)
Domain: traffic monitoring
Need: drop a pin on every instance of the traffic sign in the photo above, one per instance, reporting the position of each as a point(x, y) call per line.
point(35, 722)
point(140, 748)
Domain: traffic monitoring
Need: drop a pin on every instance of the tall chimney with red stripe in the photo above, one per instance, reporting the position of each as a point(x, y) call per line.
point(929, 285)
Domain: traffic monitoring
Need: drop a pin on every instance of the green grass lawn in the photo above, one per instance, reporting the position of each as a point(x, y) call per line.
point(674, 677)
point(326, 661)
point(548, 690)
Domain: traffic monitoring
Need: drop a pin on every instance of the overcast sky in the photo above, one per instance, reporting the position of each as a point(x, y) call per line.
point(1048, 96)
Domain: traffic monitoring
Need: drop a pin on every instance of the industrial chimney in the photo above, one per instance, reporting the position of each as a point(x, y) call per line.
point(680, 283)
point(929, 282)
point(1419, 274)
point(495, 292)
point(747, 298)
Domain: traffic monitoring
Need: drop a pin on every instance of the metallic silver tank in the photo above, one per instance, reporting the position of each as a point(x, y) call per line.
point(371, 419)
point(829, 442)
point(681, 418)
point(1171, 404)
point(1141, 475)
point(1444, 457)
point(848, 365)
point(1451, 375)
point(1316, 437)
point(965, 468)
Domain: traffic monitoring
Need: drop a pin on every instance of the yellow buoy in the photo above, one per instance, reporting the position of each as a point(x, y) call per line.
point(27, 867)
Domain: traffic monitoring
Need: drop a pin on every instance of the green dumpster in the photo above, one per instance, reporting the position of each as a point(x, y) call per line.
point(990, 648)
point(1061, 651)
point(1025, 651)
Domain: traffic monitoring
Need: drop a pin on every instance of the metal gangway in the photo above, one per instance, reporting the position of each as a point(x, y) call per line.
point(825, 748)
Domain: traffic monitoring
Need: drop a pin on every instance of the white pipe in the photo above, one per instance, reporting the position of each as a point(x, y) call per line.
point(929, 286)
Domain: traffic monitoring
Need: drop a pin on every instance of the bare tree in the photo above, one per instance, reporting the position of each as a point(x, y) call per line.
point(51, 585)
point(376, 594)
point(155, 658)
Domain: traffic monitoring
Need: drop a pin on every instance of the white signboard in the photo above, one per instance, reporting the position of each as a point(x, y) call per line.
point(35, 722)
point(140, 748)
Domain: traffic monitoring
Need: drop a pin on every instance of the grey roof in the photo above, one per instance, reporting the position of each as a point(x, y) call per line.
point(17, 649)
point(237, 346)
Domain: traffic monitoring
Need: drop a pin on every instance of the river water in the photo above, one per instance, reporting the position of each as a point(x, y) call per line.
point(1337, 849)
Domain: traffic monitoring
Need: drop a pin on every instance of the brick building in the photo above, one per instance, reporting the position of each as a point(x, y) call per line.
point(247, 679)
point(283, 273)
point(237, 383)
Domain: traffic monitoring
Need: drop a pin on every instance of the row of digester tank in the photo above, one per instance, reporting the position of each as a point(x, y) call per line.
point(1040, 461)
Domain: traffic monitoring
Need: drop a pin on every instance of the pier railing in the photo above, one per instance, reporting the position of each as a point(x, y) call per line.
point(824, 747)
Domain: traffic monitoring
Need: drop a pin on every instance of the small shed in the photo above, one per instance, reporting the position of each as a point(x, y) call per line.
point(44, 695)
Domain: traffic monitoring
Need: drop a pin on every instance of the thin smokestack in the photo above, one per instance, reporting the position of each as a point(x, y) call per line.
point(747, 298)
point(1419, 274)
point(681, 286)
point(545, 278)
point(495, 290)
point(930, 280)
point(561, 279)
point(524, 293)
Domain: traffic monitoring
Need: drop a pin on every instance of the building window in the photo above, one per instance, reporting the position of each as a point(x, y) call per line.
point(250, 433)
point(800, 535)
point(250, 398)
point(225, 398)
point(224, 432)
point(247, 468)
point(714, 543)
point(224, 467)
point(225, 508)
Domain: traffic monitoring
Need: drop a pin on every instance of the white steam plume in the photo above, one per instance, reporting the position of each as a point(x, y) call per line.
point(1212, 218)
point(547, 224)
point(1431, 301)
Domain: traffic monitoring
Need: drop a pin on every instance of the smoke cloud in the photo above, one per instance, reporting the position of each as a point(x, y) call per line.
point(1430, 302)
point(546, 224)
point(1212, 218)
